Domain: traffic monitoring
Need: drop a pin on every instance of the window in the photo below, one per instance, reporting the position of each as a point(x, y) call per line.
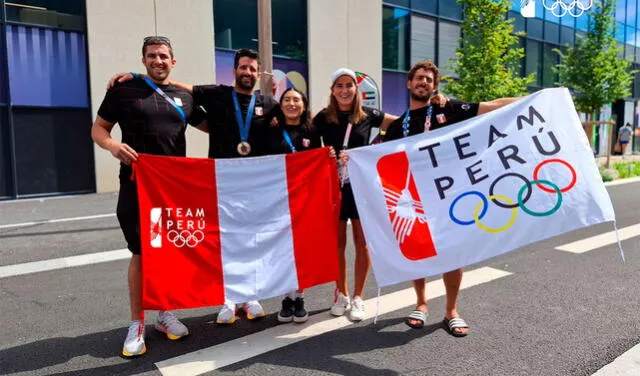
point(549, 17)
point(620, 32)
point(551, 32)
point(46, 163)
point(61, 14)
point(47, 67)
point(518, 23)
point(3, 80)
point(620, 10)
point(289, 28)
point(534, 28)
point(566, 36)
point(395, 96)
point(550, 60)
point(582, 22)
point(428, 6)
point(448, 42)
point(533, 58)
point(395, 38)
point(423, 39)
point(6, 179)
point(450, 9)
point(236, 24)
point(632, 12)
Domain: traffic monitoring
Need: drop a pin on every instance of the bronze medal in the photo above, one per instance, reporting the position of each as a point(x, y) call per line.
point(244, 148)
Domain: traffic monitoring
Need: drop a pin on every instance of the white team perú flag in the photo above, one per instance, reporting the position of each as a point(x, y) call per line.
point(459, 195)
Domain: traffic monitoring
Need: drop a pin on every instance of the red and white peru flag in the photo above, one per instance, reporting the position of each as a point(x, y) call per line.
point(245, 229)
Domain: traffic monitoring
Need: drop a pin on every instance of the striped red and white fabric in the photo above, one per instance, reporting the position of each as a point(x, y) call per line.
point(244, 229)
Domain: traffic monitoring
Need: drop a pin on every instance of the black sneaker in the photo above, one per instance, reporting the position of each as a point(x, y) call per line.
point(300, 314)
point(286, 313)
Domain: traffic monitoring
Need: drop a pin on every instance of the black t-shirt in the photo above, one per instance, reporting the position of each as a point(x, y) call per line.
point(224, 131)
point(333, 134)
point(149, 123)
point(302, 139)
point(453, 112)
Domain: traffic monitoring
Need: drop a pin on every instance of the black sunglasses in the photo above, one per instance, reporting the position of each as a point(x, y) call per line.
point(156, 38)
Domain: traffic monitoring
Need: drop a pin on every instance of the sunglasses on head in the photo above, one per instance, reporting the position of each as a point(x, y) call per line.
point(156, 38)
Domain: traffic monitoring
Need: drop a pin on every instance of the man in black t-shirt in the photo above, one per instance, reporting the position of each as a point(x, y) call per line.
point(231, 135)
point(423, 80)
point(151, 123)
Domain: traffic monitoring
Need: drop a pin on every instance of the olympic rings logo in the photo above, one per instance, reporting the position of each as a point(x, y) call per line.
point(574, 7)
point(185, 237)
point(524, 194)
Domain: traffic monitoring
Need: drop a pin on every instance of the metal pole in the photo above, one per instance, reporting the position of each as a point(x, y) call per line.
point(265, 47)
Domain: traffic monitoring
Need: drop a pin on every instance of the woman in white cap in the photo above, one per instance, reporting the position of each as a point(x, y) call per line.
point(345, 124)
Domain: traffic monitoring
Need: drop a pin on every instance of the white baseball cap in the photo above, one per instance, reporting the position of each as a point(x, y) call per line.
point(342, 72)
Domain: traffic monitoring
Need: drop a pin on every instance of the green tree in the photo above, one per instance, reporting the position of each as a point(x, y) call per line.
point(592, 68)
point(488, 59)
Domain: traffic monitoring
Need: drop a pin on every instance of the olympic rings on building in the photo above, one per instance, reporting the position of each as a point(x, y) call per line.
point(507, 203)
point(574, 7)
point(185, 237)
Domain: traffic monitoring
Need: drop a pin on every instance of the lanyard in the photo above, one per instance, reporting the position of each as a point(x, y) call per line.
point(245, 125)
point(427, 121)
point(288, 139)
point(165, 96)
point(345, 142)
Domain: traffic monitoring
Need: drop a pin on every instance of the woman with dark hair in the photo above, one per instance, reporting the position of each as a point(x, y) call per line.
point(293, 133)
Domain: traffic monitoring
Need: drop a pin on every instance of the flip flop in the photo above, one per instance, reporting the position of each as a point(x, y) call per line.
point(453, 323)
point(418, 316)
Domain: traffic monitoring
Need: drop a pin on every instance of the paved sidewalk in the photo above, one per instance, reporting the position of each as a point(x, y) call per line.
point(627, 364)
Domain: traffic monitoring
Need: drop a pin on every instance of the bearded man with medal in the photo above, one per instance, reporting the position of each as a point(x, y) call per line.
point(422, 82)
point(237, 122)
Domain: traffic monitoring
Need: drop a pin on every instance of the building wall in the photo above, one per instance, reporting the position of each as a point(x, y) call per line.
point(118, 49)
point(342, 33)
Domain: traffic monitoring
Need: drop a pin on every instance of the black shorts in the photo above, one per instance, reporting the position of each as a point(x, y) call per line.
point(128, 216)
point(348, 208)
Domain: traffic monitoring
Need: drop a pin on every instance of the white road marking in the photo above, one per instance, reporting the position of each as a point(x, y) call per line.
point(62, 263)
point(224, 354)
point(627, 364)
point(59, 220)
point(602, 240)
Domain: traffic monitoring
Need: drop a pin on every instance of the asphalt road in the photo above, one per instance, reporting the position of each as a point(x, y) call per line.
point(557, 313)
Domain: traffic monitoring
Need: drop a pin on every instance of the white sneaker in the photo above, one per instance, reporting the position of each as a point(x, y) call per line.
point(169, 324)
point(254, 310)
point(134, 343)
point(341, 305)
point(227, 314)
point(357, 309)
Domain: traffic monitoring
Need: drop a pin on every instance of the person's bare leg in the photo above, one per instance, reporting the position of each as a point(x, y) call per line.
point(420, 288)
point(452, 281)
point(135, 286)
point(341, 284)
point(362, 258)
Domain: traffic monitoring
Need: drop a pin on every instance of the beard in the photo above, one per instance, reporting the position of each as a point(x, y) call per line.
point(420, 97)
point(157, 76)
point(243, 83)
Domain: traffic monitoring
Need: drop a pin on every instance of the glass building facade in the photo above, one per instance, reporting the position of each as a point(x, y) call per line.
point(414, 30)
point(45, 119)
